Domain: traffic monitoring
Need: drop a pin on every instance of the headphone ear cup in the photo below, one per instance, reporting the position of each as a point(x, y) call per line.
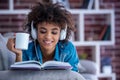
point(63, 34)
point(33, 32)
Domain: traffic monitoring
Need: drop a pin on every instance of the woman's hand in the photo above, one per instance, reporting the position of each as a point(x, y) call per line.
point(11, 46)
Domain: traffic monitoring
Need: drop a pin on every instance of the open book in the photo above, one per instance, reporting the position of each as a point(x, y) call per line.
point(35, 65)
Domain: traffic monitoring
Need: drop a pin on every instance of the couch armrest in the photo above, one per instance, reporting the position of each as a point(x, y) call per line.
point(41, 75)
point(90, 67)
point(6, 57)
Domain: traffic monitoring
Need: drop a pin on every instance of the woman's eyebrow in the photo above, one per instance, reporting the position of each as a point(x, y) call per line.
point(55, 29)
point(42, 28)
point(46, 29)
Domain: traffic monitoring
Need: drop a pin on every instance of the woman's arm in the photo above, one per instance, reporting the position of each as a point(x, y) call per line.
point(71, 55)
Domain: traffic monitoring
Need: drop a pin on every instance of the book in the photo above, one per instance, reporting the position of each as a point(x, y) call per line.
point(65, 3)
point(105, 34)
point(90, 5)
point(87, 4)
point(102, 33)
point(35, 65)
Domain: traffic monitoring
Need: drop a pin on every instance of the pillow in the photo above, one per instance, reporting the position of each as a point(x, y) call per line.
point(90, 66)
point(81, 68)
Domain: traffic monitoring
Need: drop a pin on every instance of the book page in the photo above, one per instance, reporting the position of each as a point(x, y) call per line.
point(56, 65)
point(26, 65)
point(35, 65)
point(28, 62)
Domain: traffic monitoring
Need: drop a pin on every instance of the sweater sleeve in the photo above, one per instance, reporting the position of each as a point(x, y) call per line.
point(72, 56)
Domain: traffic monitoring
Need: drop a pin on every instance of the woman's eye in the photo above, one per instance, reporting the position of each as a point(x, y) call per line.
point(54, 32)
point(43, 31)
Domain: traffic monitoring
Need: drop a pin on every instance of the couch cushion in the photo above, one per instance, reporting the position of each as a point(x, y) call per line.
point(90, 76)
point(81, 68)
point(6, 57)
point(89, 66)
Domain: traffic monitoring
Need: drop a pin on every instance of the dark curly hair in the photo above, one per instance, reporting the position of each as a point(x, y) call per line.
point(51, 13)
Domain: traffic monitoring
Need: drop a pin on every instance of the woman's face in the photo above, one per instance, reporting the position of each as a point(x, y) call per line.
point(48, 35)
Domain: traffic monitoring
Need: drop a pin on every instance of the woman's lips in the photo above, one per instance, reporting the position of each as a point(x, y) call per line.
point(46, 42)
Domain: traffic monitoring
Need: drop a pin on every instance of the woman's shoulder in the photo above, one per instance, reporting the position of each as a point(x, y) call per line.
point(67, 44)
point(30, 45)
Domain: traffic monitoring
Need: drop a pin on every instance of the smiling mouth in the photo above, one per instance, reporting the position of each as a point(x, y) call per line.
point(46, 42)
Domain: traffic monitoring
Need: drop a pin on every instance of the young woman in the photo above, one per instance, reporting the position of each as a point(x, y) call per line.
point(50, 26)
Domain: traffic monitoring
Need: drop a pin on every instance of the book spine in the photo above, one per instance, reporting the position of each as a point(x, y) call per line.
point(107, 34)
point(103, 33)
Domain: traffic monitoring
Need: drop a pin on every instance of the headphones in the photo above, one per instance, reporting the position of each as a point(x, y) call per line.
point(34, 32)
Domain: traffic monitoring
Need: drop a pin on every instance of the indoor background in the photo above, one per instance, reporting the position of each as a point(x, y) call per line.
point(13, 22)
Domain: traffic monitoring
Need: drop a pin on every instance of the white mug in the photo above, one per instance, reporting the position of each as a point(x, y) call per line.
point(107, 69)
point(21, 41)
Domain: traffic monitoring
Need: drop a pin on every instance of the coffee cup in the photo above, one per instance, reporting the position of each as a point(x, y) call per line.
point(21, 41)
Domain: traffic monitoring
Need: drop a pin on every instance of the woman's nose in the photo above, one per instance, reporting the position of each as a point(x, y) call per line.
point(48, 35)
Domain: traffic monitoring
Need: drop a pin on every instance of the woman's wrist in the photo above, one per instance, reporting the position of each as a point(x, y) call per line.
point(18, 57)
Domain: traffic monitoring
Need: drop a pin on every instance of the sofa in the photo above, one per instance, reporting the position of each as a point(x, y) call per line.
point(88, 69)
point(7, 58)
point(40, 75)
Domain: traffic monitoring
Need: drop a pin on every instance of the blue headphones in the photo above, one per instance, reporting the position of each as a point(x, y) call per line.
point(34, 32)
